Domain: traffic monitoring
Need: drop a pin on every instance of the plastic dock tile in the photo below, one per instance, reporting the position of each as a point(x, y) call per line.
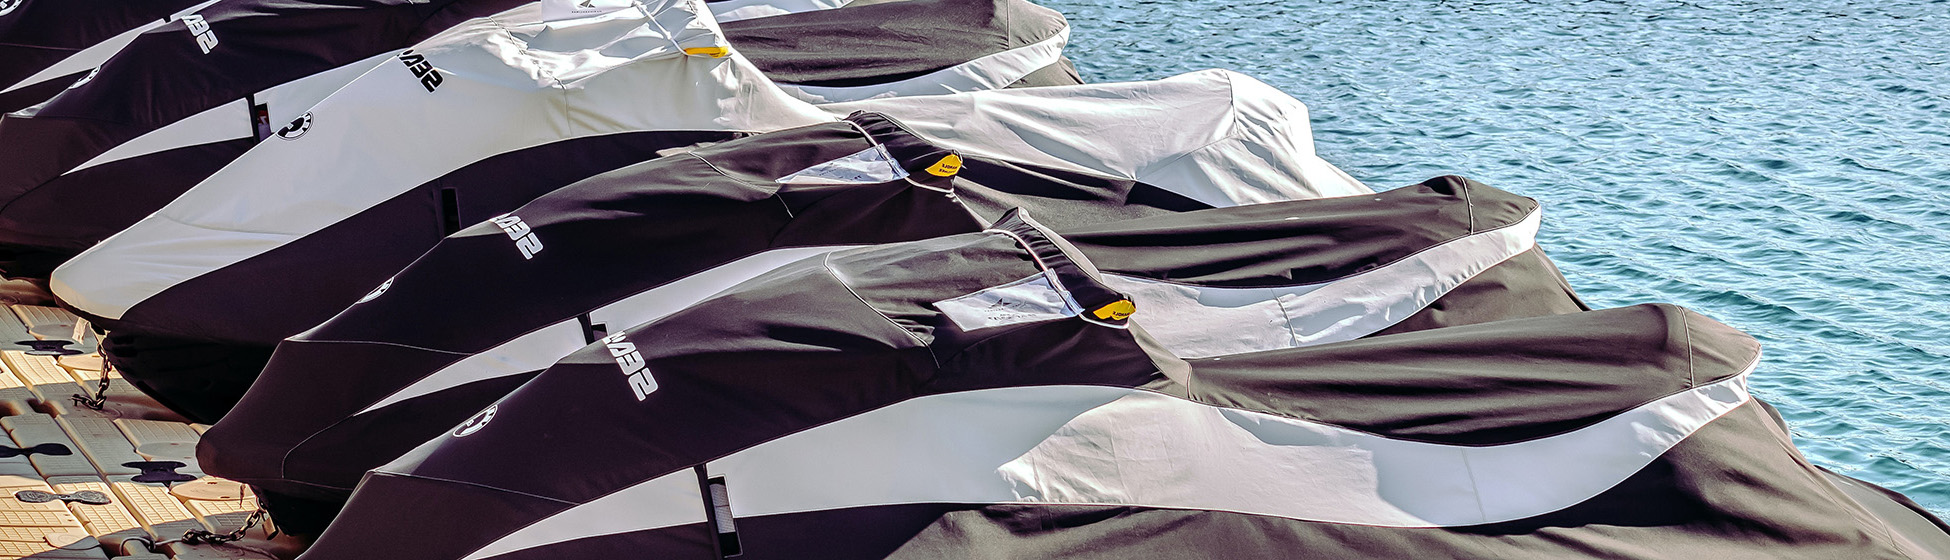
point(150, 432)
point(159, 512)
point(49, 381)
point(35, 409)
point(29, 430)
point(87, 362)
point(104, 444)
point(16, 513)
point(15, 397)
point(157, 440)
point(111, 523)
point(54, 323)
point(13, 330)
point(18, 471)
point(32, 534)
point(45, 551)
point(180, 551)
point(123, 400)
point(223, 516)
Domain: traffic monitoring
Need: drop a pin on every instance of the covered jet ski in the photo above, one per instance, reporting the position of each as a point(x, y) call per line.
point(441, 339)
point(165, 116)
point(906, 48)
point(994, 395)
point(229, 69)
point(46, 45)
point(251, 257)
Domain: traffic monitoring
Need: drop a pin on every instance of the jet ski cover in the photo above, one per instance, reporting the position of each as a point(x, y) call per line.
point(463, 325)
point(193, 112)
point(993, 395)
point(1240, 141)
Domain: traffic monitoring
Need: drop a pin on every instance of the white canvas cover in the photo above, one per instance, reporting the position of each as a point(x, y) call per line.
point(288, 101)
point(1217, 136)
point(504, 83)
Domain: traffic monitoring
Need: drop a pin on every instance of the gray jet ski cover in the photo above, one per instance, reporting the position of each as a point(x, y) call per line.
point(164, 116)
point(994, 395)
point(209, 266)
point(467, 323)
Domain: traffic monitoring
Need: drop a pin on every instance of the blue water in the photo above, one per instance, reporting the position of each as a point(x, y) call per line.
point(1782, 168)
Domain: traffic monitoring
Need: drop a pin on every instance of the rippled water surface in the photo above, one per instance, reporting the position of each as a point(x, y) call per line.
point(1783, 167)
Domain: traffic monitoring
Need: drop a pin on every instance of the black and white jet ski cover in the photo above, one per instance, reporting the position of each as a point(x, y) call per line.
point(228, 69)
point(189, 127)
point(462, 326)
point(992, 395)
point(191, 272)
point(46, 45)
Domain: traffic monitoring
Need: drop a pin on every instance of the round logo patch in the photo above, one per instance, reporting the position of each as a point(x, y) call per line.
point(297, 127)
point(7, 6)
point(480, 420)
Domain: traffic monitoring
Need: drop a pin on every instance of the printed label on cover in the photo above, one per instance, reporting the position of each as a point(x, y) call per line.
point(1027, 300)
point(872, 165)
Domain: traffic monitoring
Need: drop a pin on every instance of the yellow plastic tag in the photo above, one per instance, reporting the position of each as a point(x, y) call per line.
point(947, 167)
point(1116, 311)
point(713, 52)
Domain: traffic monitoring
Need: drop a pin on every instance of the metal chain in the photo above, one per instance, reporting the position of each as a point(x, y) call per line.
point(101, 391)
point(199, 536)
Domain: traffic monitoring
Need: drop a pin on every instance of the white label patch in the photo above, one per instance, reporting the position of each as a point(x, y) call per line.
point(872, 165)
point(1023, 301)
point(555, 10)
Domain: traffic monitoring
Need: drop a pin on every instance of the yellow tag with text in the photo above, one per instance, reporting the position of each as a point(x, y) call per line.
point(713, 52)
point(1116, 311)
point(947, 167)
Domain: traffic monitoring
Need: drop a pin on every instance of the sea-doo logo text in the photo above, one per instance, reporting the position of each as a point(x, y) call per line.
point(205, 39)
point(429, 77)
point(628, 358)
point(476, 422)
point(297, 127)
point(524, 239)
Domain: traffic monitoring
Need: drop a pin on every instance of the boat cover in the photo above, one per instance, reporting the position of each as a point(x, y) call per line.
point(45, 45)
point(994, 395)
point(160, 132)
point(213, 68)
point(907, 47)
point(441, 339)
point(200, 269)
